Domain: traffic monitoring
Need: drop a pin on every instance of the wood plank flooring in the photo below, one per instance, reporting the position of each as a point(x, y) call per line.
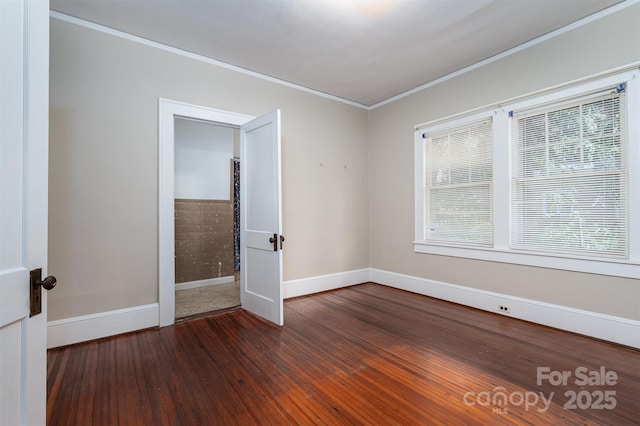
point(366, 354)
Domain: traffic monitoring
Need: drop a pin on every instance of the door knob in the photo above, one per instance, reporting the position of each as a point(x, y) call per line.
point(274, 240)
point(36, 283)
point(48, 283)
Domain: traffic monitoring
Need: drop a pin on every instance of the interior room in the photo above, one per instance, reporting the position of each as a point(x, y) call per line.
point(394, 312)
point(206, 266)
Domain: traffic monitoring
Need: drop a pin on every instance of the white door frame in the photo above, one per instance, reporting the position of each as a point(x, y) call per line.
point(168, 110)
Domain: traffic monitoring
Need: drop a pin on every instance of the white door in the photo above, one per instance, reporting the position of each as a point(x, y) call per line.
point(261, 237)
point(24, 127)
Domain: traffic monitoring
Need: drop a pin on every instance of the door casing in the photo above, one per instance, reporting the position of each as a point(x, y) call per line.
point(168, 110)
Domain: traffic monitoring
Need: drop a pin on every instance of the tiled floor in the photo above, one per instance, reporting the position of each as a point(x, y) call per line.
point(206, 299)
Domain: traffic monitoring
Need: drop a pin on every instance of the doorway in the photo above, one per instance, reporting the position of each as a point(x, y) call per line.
point(261, 239)
point(168, 113)
point(206, 195)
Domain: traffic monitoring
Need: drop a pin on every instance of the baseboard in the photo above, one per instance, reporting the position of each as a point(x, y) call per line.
point(304, 286)
point(89, 327)
point(205, 283)
point(607, 327)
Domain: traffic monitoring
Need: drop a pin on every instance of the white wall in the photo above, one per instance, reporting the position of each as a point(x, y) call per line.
point(103, 221)
point(202, 160)
point(347, 173)
point(608, 43)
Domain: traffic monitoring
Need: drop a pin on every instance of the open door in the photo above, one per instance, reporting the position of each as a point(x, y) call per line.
point(24, 127)
point(261, 237)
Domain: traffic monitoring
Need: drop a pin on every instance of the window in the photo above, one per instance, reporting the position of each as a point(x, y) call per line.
point(544, 180)
point(458, 184)
point(569, 177)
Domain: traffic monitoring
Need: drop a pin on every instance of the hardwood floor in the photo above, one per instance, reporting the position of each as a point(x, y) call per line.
point(366, 354)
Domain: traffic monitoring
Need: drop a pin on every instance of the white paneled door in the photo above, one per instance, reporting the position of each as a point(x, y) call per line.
point(261, 239)
point(24, 126)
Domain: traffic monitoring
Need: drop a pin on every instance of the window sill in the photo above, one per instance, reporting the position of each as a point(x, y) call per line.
point(612, 267)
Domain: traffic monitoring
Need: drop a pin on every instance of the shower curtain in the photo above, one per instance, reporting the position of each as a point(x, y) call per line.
point(236, 214)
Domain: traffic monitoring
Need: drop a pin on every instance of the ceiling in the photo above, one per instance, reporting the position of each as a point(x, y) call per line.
point(364, 51)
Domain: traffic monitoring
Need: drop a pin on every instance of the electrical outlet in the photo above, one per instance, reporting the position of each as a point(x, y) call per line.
point(504, 308)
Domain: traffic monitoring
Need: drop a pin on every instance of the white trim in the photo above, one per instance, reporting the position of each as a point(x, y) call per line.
point(104, 324)
point(106, 30)
point(589, 19)
point(201, 58)
point(73, 330)
point(501, 105)
point(607, 327)
point(420, 158)
point(628, 269)
point(563, 92)
point(501, 180)
point(205, 283)
point(305, 286)
point(459, 122)
point(167, 111)
point(419, 162)
point(602, 326)
point(633, 160)
point(501, 251)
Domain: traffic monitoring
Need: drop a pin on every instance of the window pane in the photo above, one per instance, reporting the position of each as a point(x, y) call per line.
point(569, 189)
point(583, 215)
point(461, 214)
point(564, 125)
point(603, 153)
point(458, 188)
point(533, 162)
point(532, 132)
point(440, 161)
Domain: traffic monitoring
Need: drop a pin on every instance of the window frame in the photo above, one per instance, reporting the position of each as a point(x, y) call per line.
point(465, 124)
point(546, 181)
point(501, 251)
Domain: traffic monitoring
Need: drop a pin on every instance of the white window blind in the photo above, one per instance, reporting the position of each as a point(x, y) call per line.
point(458, 191)
point(569, 181)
